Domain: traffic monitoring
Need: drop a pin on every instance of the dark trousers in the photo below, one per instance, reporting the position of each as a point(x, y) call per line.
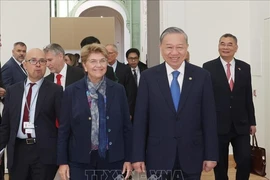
point(241, 153)
point(26, 164)
point(97, 169)
point(175, 174)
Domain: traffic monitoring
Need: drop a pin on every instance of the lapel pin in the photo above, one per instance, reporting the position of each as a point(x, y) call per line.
point(239, 69)
point(190, 78)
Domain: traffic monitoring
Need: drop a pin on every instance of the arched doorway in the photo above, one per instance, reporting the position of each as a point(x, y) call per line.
point(109, 9)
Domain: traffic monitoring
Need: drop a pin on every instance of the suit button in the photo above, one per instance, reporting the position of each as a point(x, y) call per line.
point(230, 107)
point(231, 97)
point(109, 130)
point(89, 118)
point(110, 143)
point(108, 117)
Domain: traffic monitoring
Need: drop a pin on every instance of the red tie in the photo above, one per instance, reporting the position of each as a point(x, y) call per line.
point(27, 108)
point(58, 81)
point(229, 77)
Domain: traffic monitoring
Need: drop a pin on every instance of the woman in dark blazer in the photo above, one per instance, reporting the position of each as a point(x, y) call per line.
point(94, 137)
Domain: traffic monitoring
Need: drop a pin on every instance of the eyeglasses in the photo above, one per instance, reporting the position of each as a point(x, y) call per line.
point(133, 59)
point(94, 62)
point(35, 61)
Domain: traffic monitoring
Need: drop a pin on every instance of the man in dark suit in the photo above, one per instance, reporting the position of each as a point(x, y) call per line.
point(136, 66)
point(90, 40)
point(174, 130)
point(28, 127)
point(231, 79)
point(123, 75)
point(13, 71)
point(61, 73)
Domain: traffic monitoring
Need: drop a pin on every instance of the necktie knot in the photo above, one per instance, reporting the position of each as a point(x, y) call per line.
point(175, 74)
point(32, 84)
point(58, 79)
point(228, 65)
point(58, 76)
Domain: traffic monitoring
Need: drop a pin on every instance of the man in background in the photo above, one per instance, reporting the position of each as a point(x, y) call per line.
point(136, 66)
point(2, 94)
point(61, 73)
point(231, 79)
point(124, 76)
point(13, 70)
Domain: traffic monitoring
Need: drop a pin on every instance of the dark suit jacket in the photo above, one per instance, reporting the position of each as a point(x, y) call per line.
point(12, 73)
point(142, 66)
point(125, 77)
point(159, 132)
point(73, 74)
point(74, 135)
point(47, 110)
point(110, 74)
point(233, 107)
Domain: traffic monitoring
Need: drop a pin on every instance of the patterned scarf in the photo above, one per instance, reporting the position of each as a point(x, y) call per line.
point(96, 95)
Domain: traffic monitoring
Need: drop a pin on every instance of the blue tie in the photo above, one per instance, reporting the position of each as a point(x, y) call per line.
point(175, 89)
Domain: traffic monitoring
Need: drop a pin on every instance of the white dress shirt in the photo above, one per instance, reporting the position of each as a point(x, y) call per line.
point(19, 63)
point(181, 75)
point(32, 106)
point(232, 67)
point(114, 66)
point(63, 72)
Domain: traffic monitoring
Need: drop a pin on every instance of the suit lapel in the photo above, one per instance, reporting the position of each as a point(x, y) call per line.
point(42, 93)
point(69, 76)
point(19, 69)
point(163, 83)
point(187, 84)
point(81, 94)
point(237, 76)
point(18, 106)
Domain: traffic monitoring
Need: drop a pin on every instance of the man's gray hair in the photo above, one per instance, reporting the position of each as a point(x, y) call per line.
point(114, 47)
point(172, 30)
point(56, 48)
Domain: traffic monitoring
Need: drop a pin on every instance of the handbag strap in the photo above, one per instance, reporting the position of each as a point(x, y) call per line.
point(254, 141)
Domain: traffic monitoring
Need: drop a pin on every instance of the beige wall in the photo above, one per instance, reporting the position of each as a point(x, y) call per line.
point(68, 32)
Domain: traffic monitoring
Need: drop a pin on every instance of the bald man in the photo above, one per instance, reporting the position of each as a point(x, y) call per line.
point(28, 126)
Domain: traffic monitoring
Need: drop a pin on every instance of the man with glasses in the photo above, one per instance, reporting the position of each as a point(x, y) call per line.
point(28, 130)
point(61, 73)
point(133, 58)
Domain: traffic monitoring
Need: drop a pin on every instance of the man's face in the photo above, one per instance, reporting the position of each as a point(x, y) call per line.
point(133, 60)
point(35, 71)
point(55, 62)
point(173, 49)
point(227, 48)
point(19, 52)
point(112, 54)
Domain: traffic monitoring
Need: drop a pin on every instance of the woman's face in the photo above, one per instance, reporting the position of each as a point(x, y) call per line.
point(68, 61)
point(95, 66)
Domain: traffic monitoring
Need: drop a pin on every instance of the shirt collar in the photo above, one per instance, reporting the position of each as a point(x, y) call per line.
point(18, 62)
point(181, 69)
point(63, 72)
point(224, 63)
point(38, 83)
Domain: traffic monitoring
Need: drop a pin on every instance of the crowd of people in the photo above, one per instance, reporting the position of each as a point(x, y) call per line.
point(98, 118)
